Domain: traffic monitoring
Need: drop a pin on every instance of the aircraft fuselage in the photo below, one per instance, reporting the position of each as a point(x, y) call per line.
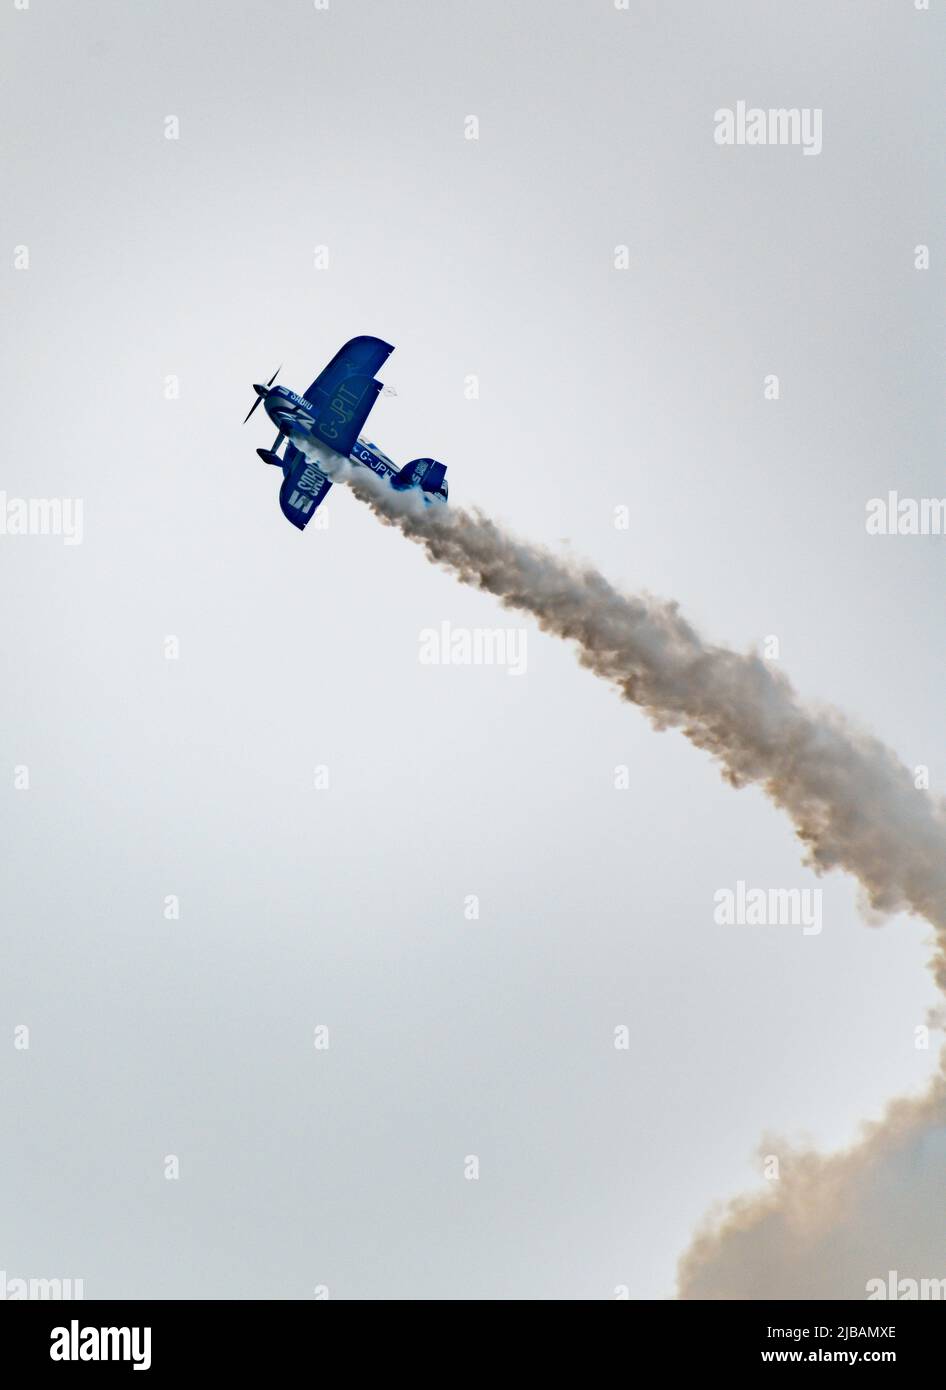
point(295, 417)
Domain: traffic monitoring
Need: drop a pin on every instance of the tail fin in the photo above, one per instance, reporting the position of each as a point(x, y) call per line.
point(427, 474)
point(433, 479)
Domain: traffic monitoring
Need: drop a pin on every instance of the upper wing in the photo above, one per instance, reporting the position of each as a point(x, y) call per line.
point(304, 486)
point(344, 392)
point(360, 357)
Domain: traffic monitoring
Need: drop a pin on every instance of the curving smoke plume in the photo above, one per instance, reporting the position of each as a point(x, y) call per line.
point(832, 1223)
point(852, 802)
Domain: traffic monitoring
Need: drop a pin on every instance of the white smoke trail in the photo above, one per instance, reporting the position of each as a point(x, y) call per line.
point(854, 805)
point(835, 1226)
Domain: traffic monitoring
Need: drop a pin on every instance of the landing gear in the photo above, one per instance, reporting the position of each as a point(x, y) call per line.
point(272, 455)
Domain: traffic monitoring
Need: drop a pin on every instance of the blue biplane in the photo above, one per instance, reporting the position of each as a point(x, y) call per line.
point(327, 421)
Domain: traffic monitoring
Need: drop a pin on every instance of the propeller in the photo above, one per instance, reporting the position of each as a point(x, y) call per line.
point(261, 391)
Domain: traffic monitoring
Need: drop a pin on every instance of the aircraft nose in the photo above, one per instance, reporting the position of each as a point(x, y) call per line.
point(260, 389)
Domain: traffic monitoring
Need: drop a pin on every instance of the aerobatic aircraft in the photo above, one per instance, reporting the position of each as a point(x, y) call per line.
point(327, 421)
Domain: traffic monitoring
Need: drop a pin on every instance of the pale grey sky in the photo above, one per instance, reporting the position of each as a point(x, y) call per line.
point(598, 388)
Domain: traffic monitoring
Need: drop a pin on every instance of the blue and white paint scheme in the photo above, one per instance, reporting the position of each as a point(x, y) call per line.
point(321, 432)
